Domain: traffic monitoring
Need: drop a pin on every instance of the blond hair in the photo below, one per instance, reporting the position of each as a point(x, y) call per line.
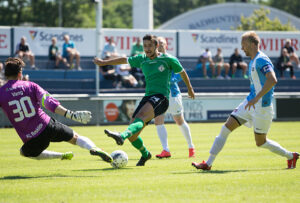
point(162, 39)
point(251, 37)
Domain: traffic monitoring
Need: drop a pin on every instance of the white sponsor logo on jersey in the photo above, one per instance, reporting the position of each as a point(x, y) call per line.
point(161, 68)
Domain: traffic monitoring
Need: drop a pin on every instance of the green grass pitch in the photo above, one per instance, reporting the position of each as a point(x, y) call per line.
point(241, 173)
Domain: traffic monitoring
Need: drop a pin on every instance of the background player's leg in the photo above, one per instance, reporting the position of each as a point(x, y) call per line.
point(162, 132)
point(185, 130)
point(163, 136)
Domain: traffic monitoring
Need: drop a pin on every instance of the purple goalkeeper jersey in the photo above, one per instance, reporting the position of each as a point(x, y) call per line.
point(21, 101)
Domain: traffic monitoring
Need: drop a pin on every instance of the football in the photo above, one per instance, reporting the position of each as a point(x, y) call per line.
point(120, 159)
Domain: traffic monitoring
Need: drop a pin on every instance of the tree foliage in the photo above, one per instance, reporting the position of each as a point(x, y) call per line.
point(76, 13)
point(290, 6)
point(116, 13)
point(81, 13)
point(12, 12)
point(259, 20)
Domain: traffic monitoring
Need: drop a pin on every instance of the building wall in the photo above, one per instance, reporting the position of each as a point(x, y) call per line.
point(225, 16)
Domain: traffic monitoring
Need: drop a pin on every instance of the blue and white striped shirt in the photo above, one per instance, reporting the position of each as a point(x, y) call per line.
point(258, 67)
point(174, 88)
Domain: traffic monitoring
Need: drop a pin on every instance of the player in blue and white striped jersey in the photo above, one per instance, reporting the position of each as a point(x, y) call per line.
point(176, 109)
point(256, 109)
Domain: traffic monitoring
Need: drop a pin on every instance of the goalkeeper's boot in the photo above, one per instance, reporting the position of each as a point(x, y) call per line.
point(67, 156)
point(292, 162)
point(163, 154)
point(143, 160)
point(191, 152)
point(115, 135)
point(202, 166)
point(104, 155)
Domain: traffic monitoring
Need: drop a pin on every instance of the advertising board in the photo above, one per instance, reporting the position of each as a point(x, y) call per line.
point(39, 39)
point(124, 39)
point(5, 40)
point(193, 43)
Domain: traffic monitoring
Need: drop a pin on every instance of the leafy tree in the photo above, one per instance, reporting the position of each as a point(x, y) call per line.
point(290, 6)
point(12, 11)
point(76, 13)
point(41, 13)
point(45, 13)
point(260, 21)
point(117, 13)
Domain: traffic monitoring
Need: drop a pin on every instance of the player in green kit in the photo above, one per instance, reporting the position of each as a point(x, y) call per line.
point(157, 68)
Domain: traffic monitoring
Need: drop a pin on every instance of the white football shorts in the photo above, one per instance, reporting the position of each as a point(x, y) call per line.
point(175, 105)
point(260, 117)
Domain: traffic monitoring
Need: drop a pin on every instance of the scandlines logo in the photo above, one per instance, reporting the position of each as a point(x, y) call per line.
point(195, 37)
point(32, 34)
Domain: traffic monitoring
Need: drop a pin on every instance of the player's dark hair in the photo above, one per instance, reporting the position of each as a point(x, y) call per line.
point(13, 66)
point(151, 38)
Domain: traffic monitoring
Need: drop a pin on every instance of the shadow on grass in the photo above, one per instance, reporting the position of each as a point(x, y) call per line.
point(224, 171)
point(105, 169)
point(227, 171)
point(161, 159)
point(268, 169)
point(212, 171)
point(36, 177)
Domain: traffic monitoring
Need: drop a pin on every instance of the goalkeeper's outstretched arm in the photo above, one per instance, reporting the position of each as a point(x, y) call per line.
point(79, 116)
point(54, 106)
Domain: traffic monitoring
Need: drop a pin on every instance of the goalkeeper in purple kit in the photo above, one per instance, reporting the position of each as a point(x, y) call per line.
point(22, 100)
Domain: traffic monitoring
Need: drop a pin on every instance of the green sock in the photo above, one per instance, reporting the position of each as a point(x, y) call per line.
point(133, 128)
point(139, 145)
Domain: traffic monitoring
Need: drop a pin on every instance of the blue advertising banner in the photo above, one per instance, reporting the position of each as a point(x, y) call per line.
point(218, 115)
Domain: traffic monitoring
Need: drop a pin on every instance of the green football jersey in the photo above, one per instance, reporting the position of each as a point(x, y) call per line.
point(157, 72)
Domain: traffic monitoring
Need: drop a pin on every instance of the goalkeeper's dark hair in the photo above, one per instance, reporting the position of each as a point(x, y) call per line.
point(151, 38)
point(13, 66)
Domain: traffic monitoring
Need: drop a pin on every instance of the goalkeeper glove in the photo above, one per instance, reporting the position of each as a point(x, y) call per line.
point(79, 116)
